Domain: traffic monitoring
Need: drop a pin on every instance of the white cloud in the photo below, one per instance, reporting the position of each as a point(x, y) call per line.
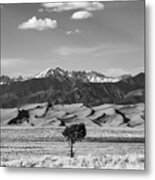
point(95, 51)
point(119, 71)
point(138, 70)
point(64, 51)
point(76, 31)
point(5, 63)
point(115, 72)
point(94, 6)
point(69, 32)
point(82, 15)
point(68, 50)
point(41, 10)
point(10, 65)
point(66, 6)
point(38, 24)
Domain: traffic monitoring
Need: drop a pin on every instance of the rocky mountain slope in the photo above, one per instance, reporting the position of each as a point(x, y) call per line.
point(63, 87)
point(85, 76)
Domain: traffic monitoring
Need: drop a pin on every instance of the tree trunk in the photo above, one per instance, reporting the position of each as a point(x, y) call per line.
point(71, 149)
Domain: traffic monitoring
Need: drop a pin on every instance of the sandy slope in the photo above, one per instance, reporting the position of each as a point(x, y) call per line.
point(98, 116)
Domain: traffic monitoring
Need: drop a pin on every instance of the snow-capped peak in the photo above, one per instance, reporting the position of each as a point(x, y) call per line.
point(89, 76)
point(45, 73)
point(50, 71)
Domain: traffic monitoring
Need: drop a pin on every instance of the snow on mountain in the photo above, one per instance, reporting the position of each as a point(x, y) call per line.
point(49, 72)
point(89, 76)
point(7, 80)
point(45, 73)
point(58, 73)
point(95, 77)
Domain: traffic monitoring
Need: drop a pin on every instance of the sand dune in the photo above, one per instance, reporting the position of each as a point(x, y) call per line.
point(103, 115)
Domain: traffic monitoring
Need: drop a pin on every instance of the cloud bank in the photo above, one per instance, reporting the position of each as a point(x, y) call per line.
point(38, 24)
point(66, 6)
point(82, 9)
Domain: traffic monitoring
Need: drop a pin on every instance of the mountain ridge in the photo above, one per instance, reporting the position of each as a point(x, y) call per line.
point(64, 90)
point(85, 76)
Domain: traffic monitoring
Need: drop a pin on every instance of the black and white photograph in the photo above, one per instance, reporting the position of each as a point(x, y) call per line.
point(72, 85)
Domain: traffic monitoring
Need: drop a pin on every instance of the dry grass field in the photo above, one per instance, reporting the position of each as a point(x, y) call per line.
point(109, 145)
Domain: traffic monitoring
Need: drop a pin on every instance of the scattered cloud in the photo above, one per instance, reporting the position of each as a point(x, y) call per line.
point(76, 31)
point(69, 32)
point(138, 70)
point(81, 15)
point(9, 66)
point(41, 10)
point(119, 71)
point(83, 9)
point(9, 62)
point(38, 24)
point(115, 72)
point(68, 50)
point(66, 6)
point(64, 51)
point(95, 51)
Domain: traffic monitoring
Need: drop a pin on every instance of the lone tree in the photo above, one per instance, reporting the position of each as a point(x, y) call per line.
point(73, 133)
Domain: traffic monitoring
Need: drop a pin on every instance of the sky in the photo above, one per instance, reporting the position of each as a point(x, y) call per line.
point(107, 37)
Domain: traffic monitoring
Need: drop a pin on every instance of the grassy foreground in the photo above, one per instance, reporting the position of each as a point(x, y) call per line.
point(46, 147)
point(128, 161)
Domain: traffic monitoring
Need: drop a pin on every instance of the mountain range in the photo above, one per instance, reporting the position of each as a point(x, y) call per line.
point(65, 87)
point(85, 76)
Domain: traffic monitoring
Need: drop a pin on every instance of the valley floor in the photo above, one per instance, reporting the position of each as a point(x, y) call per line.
point(112, 145)
point(45, 147)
